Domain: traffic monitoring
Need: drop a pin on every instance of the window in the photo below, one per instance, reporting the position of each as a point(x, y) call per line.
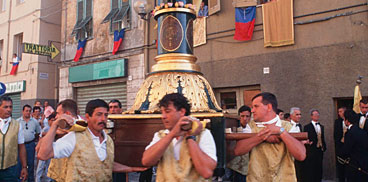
point(228, 100)
point(119, 15)
point(17, 45)
point(231, 99)
point(20, 1)
point(2, 5)
point(83, 28)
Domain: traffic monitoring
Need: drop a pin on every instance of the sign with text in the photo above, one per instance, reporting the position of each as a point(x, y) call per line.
point(14, 87)
point(42, 50)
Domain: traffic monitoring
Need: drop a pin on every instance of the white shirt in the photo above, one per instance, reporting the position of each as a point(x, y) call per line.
point(276, 120)
point(362, 119)
point(64, 147)
point(206, 144)
point(294, 125)
point(316, 127)
point(4, 125)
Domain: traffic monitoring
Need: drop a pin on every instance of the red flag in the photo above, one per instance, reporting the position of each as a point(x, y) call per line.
point(14, 68)
point(244, 23)
point(81, 45)
point(118, 39)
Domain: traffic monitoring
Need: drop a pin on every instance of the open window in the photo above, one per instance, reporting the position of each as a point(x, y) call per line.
point(83, 27)
point(119, 15)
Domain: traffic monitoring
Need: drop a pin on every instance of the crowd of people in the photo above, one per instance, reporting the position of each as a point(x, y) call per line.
point(62, 142)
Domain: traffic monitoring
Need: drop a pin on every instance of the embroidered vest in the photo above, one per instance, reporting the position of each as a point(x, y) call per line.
point(171, 170)
point(84, 164)
point(57, 169)
point(271, 162)
point(9, 145)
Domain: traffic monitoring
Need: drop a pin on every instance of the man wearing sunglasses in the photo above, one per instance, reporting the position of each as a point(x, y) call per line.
point(31, 131)
point(13, 138)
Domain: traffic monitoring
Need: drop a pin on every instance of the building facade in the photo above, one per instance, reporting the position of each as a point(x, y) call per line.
point(99, 73)
point(318, 71)
point(36, 23)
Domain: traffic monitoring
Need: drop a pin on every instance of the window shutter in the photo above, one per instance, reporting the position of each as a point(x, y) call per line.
point(88, 8)
point(122, 13)
point(213, 6)
point(80, 11)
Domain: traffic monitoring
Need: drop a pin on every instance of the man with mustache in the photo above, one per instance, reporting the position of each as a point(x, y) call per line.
point(83, 163)
point(13, 137)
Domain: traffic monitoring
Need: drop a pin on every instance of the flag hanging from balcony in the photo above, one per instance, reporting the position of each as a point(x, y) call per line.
point(244, 23)
point(278, 23)
point(118, 39)
point(81, 45)
point(14, 68)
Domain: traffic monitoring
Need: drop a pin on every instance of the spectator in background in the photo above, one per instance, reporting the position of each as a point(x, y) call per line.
point(42, 167)
point(31, 130)
point(239, 165)
point(115, 107)
point(339, 134)
point(48, 109)
point(203, 10)
point(280, 113)
point(355, 148)
point(36, 114)
point(315, 149)
point(287, 117)
point(363, 105)
point(38, 103)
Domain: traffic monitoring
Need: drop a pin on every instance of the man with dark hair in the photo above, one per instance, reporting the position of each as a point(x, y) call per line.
point(280, 112)
point(66, 108)
point(355, 148)
point(363, 105)
point(82, 163)
point(273, 149)
point(287, 117)
point(181, 155)
point(239, 165)
point(315, 148)
point(339, 137)
point(36, 114)
point(31, 130)
point(115, 107)
point(13, 137)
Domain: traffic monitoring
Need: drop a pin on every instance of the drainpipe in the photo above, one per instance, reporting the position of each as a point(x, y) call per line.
point(8, 37)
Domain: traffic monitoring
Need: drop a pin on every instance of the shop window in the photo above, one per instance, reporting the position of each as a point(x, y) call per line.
point(119, 15)
point(83, 28)
point(17, 45)
point(2, 5)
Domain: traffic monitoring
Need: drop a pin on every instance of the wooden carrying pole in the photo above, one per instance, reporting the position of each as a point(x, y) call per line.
point(240, 136)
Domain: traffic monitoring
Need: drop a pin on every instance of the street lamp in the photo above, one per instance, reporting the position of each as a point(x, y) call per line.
point(143, 8)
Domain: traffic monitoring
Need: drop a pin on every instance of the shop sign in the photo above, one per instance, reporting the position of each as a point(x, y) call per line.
point(14, 87)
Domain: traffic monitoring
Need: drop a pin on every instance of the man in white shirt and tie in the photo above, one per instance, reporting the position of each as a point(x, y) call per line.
point(363, 105)
point(295, 116)
point(315, 149)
